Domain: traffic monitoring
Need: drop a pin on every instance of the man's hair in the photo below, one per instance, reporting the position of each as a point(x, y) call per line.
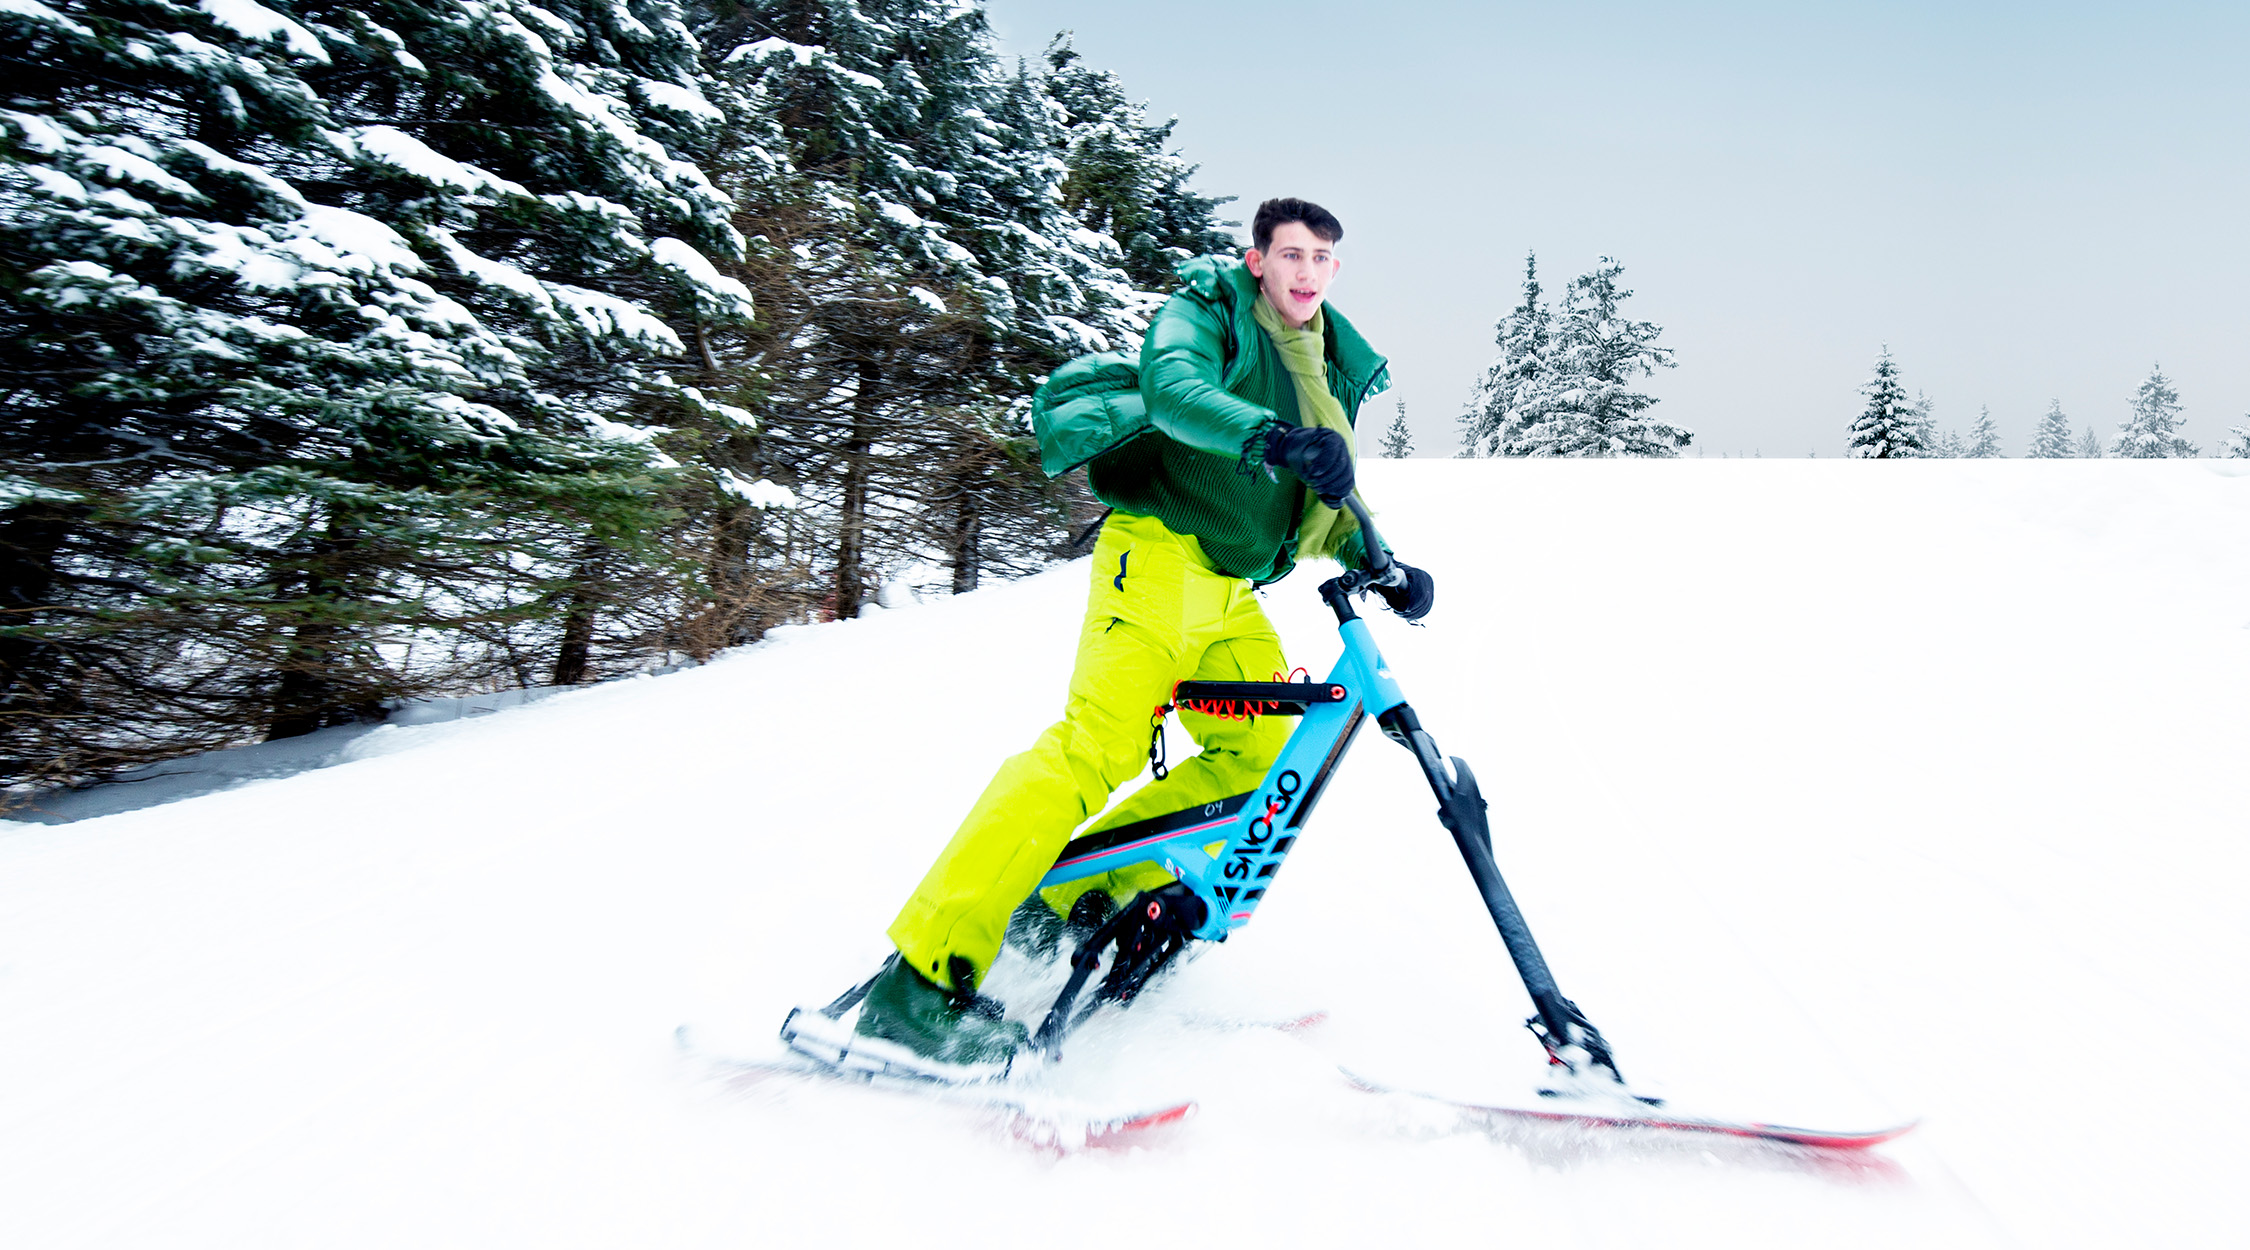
point(1274, 214)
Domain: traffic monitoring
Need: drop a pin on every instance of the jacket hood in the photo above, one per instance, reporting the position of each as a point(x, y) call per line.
point(1226, 281)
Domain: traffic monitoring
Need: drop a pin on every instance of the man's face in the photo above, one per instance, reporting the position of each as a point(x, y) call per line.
point(1294, 271)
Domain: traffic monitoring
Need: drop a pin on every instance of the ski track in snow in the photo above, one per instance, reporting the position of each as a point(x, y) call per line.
point(1837, 793)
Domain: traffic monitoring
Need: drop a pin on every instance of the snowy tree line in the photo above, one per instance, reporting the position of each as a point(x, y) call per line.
point(356, 352)
point(1563, 384)
point(1893, 427)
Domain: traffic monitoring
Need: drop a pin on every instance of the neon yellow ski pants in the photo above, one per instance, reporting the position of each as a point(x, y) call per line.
point(1157, 614)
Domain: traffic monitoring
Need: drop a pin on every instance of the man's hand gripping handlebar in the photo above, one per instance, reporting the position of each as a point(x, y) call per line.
point(1409, 591)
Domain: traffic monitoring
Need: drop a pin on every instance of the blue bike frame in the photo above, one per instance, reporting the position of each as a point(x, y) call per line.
point(1228, 852)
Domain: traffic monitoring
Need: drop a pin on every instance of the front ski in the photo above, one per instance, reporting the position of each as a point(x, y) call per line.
point(1041, 1121)
point(1290, 1025)
point(1624, 1112)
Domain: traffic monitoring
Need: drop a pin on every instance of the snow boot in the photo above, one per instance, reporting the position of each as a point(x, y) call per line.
point(955, 1028)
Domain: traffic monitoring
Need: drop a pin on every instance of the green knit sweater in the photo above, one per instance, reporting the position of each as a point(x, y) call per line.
point(1212, 387)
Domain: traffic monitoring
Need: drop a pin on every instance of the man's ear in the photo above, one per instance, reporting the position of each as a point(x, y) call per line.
point(1256, 262)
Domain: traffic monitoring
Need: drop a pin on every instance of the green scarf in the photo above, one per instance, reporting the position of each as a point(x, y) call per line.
point(1305, 354)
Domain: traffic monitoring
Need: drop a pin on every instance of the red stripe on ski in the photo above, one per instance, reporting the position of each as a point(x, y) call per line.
point(1118, 1132)
point(1821, 1139)
point(1063, 1136)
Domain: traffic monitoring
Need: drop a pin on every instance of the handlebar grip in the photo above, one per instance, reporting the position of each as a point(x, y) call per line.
point(1378, 559)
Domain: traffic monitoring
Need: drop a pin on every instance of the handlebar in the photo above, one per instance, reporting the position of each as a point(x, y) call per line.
point(1337, 592)
point(1378, 559)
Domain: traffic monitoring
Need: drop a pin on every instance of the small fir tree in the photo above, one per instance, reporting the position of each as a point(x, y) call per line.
point(1398, 441)
point(1984, 437)
point(1890, 426)
point(2051, 440)
point(1514, 393)
point(2152, 431)
point(2237, 446)
point(1937, 444)
point(2089, 445)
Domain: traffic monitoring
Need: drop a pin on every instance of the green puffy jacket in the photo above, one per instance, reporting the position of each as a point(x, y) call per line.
point(1191, 463)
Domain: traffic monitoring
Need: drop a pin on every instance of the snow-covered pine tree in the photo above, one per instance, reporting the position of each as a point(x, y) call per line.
point(933, 271)
point(1597, 354)
point(602, 111)
point(1513, 393)
point(1600, 354)
point(316, 318)
point(906, 292)
point(2237, 446)
point(2051, 440)
point(2089, 445)
point(1937, 443)
point(1398, 441)
point(2152, 430)
point(1889, 427)
point(1984, 437)
point(1122, 180)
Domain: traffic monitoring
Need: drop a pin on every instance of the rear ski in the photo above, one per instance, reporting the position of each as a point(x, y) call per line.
point(823, 1049)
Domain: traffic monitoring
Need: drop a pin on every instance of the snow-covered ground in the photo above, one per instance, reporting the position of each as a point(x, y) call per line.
point(1836, 791)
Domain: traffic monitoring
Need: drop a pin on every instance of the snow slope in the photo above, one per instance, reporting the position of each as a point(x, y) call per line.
point(1840, 790)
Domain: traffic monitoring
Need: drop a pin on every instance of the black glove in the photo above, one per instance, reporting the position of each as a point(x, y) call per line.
point(1413, 597)
point(1317, 455)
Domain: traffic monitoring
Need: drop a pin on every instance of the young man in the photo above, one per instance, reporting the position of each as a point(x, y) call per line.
point(1220, 496)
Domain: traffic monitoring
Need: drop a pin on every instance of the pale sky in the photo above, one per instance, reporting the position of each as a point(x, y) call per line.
point(2024, 201)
